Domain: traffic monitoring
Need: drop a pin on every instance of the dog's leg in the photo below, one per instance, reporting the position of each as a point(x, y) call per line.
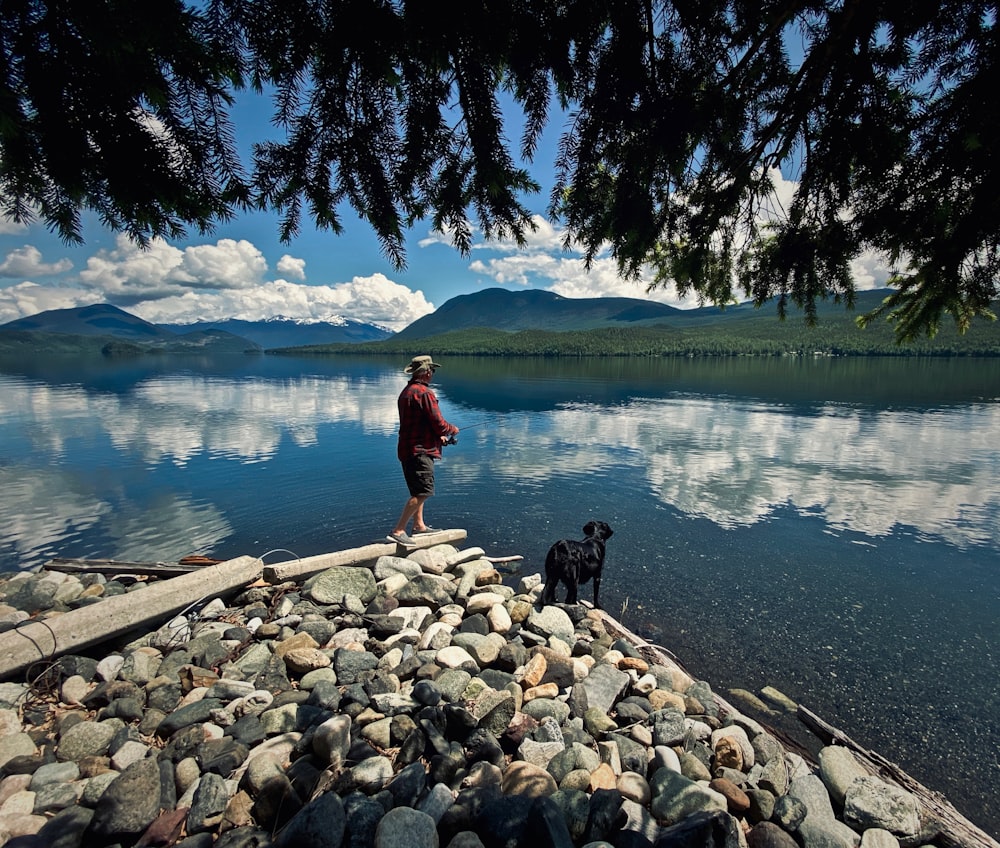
point(597, 590)
point(551, 578)
point(572, 581)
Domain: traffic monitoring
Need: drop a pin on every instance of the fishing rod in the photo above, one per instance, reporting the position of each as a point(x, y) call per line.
point(452, 440)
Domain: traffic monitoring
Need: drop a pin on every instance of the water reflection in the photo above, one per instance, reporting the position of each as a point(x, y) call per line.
point(731, 459)
point(735, 463)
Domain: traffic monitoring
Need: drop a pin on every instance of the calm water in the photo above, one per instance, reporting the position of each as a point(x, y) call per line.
point(828, 527)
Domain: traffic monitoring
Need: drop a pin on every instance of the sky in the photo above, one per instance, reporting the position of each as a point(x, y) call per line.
point(242, 270)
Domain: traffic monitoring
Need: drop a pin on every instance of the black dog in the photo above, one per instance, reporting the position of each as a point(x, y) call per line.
point(575, 562)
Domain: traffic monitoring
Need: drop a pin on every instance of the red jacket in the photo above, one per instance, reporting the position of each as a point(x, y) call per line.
point(421, 424)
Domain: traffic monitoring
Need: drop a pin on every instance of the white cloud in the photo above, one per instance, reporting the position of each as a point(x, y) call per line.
point(130, 273)
point(26, 262)
point(376, 299)
point(227, 264)
point(29, 298)
point(291, 267)
point(569, 277)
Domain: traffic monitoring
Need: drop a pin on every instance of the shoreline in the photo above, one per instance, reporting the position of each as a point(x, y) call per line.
point(384, 696)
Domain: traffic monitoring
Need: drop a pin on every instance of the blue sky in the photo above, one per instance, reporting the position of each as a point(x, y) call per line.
point(242, 270)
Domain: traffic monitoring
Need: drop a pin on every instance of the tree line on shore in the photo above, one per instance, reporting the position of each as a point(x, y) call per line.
point(744, 338)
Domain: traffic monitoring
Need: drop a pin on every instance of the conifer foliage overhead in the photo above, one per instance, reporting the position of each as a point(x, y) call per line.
point(676, 117)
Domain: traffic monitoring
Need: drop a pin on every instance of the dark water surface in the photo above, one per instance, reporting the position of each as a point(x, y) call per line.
point(826, 527)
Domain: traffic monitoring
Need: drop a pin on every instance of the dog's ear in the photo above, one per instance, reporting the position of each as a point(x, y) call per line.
point(589, 528)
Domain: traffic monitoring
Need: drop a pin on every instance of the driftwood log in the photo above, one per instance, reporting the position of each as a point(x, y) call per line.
point(38, 640)
point(298, 569)
point(956, 829)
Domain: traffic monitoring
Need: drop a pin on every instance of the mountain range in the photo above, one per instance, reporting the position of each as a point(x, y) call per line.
point(500, 321)
point(533, 309)
point(112, 330)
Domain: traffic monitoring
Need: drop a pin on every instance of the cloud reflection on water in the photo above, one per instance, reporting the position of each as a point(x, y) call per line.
point(731, 461)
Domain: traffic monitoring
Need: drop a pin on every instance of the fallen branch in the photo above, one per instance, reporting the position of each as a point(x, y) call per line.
point(956, 829)
point(298, 569)
point(43, 639)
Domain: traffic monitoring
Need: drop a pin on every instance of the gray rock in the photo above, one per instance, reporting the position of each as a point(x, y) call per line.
point(405, 828)
point(437, 802)
point(674, 797)
point(769, 835)
point(820, 826)
point(875, 837)
point(386, 566)
point(601, 689)
point(363, 816)
point(210, 799)
point(551, 621)
point(319, 824)
point(838, 769)
point(53, 797)
point(62, 772)
point(873, 803)
point(330, 586)
point(668, 726)
point(66, 829)
point(86, 739)
point(129, 804)
point(198, 712)
point(427, 589)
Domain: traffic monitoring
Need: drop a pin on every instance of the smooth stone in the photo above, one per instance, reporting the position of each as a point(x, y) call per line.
point(674, 797)
point(403, 827)
point(319, 824)
point(527, 780)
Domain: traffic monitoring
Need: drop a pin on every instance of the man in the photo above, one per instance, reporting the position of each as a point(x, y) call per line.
point(422, 432)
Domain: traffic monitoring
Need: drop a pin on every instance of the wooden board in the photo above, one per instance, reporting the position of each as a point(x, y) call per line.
point(37, 640)
point(298, 569)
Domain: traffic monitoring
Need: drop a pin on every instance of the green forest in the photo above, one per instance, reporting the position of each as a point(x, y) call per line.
point(754, 335)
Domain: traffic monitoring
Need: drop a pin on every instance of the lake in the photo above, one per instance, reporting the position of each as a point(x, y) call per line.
point(829, 527)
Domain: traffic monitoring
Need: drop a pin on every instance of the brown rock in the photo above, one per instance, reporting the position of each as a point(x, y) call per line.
point(603, 777)
point(490, 577)
point(633, 663)
point(546, 690)
point(534, 671)
point(728, 753)
point(737, 800)
point(523, 778)
point(293, 643)
point(302, 660)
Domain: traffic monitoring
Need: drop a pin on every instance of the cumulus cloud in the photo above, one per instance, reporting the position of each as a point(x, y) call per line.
point(289, 266)
point(29, 298)
point(375, 299)
point(26, 262)
point(130, 274)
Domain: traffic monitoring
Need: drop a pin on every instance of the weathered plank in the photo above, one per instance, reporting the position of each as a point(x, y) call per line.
point(297, 569)
point(36, 640)
point(110, 566)
point(957, 830)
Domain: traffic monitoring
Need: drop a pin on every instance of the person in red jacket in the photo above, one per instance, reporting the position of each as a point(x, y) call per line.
point(422, 432)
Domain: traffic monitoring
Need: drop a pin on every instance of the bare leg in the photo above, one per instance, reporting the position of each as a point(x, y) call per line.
point(414, 507)
point(419, 525)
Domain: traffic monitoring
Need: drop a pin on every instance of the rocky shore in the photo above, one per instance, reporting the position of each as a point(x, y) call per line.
point(406, 702)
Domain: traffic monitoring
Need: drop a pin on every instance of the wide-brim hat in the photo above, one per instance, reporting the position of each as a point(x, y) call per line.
point(420, 363)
